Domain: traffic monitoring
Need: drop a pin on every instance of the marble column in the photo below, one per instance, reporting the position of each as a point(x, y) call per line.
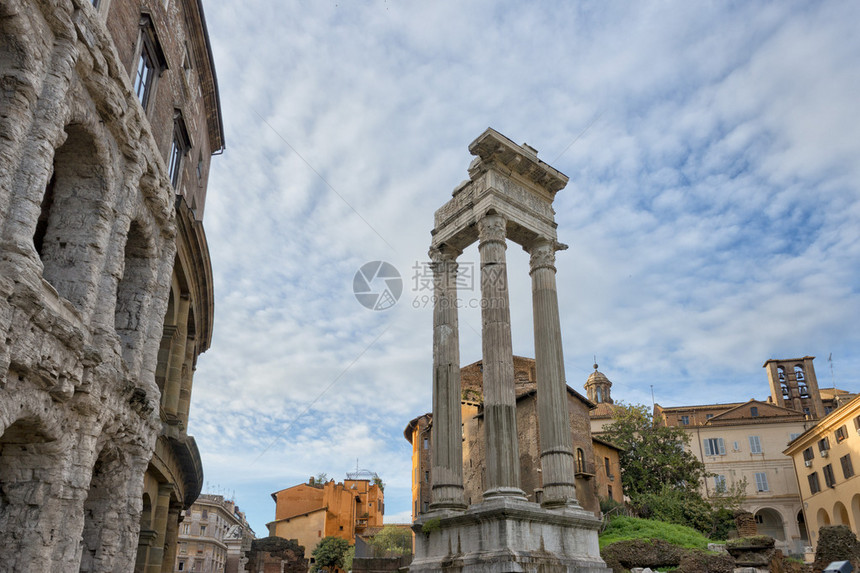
point(446, 452)
point(557, 461)
point(500, 409)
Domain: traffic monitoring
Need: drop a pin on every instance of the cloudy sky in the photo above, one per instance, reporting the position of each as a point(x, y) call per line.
point(712, 210)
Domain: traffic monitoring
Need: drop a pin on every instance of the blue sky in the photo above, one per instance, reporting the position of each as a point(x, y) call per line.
point(712, 210)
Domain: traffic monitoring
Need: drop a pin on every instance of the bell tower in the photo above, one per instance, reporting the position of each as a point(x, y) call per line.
point(793, 385)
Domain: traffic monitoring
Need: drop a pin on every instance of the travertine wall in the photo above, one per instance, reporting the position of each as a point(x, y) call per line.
point(87, 250)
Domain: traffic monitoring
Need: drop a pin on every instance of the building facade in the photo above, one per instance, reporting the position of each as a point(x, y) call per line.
point(212, 537)
point(308, 512)
point(824, 458)
point(743, 443)
point(592, 456)
point(109, 116)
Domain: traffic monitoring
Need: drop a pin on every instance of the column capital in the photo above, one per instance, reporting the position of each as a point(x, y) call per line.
point(542, 254)
point(492, 228)
point(443, 254)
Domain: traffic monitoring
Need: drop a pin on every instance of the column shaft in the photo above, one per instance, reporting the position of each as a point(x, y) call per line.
point(170, 399)
point(161, 509)
point(446, 451)
point(557, 461)
point(500, 409)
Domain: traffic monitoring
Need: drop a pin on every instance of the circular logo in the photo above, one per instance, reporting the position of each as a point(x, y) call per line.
point(377, 285)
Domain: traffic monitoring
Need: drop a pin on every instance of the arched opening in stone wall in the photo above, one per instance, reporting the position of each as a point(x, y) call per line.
point(840, 514)
point(102, 522)
point(801, 526)
point(72, 211)
point(147, 534)
point(132, 294)
point(167, 332)
point(769, 522)
point(29, 466)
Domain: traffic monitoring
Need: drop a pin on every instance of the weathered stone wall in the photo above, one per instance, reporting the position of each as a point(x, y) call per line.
point(87, 247)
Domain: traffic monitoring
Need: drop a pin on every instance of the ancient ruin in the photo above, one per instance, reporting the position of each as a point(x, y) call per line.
point(509, 195)
point(109, 115)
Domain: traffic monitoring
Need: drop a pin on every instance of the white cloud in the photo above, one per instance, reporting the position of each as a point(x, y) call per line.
point(711, 211)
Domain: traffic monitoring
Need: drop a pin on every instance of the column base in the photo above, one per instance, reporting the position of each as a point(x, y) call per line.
point(507, 492)
point(505, 535)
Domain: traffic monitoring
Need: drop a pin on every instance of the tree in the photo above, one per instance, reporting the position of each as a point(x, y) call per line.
point(330, 553)
point(320, 479)
point(378, 482)
point(653, 456)
point(392, 541)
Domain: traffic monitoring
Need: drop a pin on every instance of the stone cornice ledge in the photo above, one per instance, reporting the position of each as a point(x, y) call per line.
point(510, 508)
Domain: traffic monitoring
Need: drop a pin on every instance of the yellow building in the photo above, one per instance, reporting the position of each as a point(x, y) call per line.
point(308, 512)
point(824, 458)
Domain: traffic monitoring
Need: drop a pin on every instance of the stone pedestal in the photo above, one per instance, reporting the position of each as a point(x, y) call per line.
point(505, 534)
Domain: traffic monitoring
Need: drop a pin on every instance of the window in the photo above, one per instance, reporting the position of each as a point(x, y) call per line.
point(178, 148)
point(202, 530)
point(808, 455)
point(841, 433)
point(580, 460)
point(186, 528)
point(814, 486)
point(761, 481)
point(205, 514)
point(857, 423)
point(606, 466)
point(714, 447)
point(755, 445)
point(806, 411)
point(828, 409)
point(685, 420)
point(182, 565)
point(426, 443)
point(823, 444)
point(426, 477)
point(780, 372)
point(736, 446)
point(708, 416)
point(183, 548)
point(150, 62)
point(847, 467)
point(829, 478)
point(720, 483)
point(754, 411)
point(798, 372)
point(609, 491)
point(426, 507)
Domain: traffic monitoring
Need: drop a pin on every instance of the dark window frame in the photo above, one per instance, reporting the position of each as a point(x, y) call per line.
point(150, 62)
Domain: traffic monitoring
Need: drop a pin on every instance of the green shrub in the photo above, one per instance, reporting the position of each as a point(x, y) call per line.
point(623, 528)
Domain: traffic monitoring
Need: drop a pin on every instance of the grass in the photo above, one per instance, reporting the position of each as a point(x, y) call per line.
point(622, 528)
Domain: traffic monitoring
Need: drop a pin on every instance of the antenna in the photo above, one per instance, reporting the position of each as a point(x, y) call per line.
point(832, 377)
point(653, 403)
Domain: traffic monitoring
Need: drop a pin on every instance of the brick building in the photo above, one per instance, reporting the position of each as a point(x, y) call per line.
point(308, 512)
point(593, 456)
point(109, 116)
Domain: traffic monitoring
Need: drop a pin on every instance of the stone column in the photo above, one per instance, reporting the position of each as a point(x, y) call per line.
point(557, 461)
point(446, 452)
point(500, 409)
point(161, 511)
point(171, 538)
point(170, 400)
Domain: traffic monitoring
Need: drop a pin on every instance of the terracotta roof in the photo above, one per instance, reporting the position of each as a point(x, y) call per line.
point(603, 410)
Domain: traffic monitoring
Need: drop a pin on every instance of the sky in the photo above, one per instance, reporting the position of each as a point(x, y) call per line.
point(712, 210)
